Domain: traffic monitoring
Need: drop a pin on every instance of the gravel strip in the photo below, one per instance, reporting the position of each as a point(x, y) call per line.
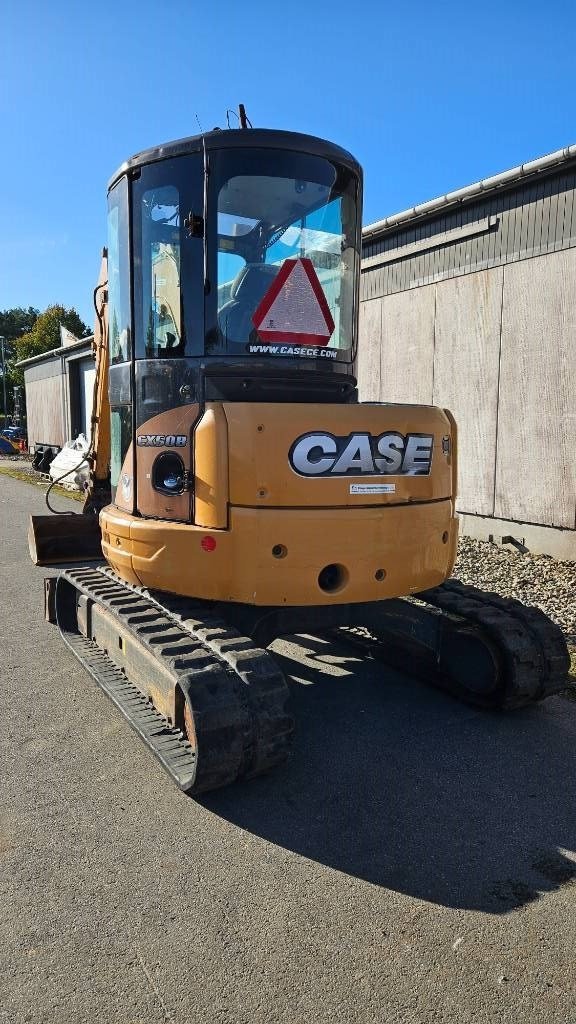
point(24, 460)
point(537, 580)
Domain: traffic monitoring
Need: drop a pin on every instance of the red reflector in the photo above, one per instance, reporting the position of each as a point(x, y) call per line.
point(208, 543)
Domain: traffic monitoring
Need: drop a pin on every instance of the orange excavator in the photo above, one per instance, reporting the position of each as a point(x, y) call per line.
point(239, 490)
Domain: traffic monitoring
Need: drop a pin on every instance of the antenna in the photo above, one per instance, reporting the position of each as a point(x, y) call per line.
point(242, 116)
point(199, 125)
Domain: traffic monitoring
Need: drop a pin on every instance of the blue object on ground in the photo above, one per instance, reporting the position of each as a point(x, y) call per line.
point(7, 447)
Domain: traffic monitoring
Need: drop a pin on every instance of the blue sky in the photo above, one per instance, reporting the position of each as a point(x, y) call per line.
point(429, 97)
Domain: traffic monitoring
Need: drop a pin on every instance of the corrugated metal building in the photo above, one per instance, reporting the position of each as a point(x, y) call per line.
point(469, 302)
point(59, 387)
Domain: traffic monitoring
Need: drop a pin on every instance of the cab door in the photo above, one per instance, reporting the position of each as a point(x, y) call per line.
point(169, 318)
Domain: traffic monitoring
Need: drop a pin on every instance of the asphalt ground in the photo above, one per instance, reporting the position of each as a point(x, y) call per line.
point(414, 861)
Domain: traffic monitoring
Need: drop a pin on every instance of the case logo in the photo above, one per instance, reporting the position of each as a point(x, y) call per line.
point(162, 440)
point(360, 454)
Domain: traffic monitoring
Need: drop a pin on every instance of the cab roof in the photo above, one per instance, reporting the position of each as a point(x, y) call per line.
point(257, 138)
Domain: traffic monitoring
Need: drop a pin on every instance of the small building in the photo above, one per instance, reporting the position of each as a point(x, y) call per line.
point(469, 302)
point(59, 387)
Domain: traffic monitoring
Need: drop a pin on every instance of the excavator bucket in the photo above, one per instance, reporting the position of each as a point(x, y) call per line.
point(56, 540)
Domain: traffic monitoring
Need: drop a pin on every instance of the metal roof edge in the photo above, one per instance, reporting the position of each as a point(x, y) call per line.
point(56, 351)
point(243, 138)
point(543, 163)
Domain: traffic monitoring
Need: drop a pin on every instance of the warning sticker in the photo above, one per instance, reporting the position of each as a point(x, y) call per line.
point(294, 309)
point(372, 488)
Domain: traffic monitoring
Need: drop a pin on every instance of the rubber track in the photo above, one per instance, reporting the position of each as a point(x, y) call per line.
point(532, 647)
point(264, 691)
point(525, 632)
point(236, 690)
point(168, 744)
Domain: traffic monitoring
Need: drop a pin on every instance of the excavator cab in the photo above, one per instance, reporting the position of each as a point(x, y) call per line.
point(233, 270)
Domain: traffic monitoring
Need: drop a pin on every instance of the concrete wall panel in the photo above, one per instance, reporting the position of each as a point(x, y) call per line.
point(370, 347)
point(407, 355)
point(466, 361)
point(536, 457)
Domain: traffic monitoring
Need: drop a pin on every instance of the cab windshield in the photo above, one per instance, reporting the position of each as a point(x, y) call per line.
point(287, 256)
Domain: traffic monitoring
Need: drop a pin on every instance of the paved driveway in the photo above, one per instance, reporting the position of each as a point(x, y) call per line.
point(413, 862)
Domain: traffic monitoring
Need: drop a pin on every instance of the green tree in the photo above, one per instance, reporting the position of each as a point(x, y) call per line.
point(45, 336)
point(13, 324)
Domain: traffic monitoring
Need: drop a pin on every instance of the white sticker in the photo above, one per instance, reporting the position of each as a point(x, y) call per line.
point(372, 488)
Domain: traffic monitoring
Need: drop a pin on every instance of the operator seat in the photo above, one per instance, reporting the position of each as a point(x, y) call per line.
point(248, 289)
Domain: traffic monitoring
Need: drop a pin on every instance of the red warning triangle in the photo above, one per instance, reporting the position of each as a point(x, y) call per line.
point(294, 309)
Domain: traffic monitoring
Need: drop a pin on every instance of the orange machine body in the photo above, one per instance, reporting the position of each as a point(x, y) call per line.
point(294, 504)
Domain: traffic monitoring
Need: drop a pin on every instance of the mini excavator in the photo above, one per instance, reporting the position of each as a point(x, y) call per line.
point(239, 490)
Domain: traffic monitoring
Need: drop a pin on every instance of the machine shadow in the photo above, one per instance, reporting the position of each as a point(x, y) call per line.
point(401, 786)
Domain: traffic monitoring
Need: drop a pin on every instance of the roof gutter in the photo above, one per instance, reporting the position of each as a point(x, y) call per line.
point(81, 343)
point(543, 163)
